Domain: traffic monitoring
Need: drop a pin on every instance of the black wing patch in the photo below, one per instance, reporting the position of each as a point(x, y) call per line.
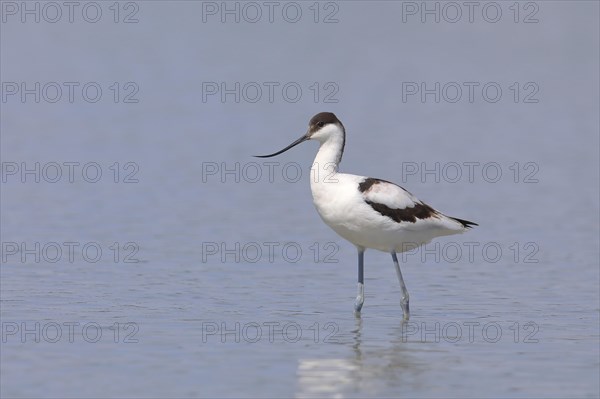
point(366, 184)
point(419, 211)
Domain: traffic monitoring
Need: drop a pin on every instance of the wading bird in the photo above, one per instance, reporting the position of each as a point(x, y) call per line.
point(368, 212)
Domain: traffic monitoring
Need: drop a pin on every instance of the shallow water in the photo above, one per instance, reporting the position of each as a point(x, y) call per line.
point(217, 278)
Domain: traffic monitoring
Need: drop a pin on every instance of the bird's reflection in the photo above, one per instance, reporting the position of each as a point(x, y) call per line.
point(365, 364)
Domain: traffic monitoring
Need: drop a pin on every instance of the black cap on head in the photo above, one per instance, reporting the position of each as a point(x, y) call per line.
point(321, 119)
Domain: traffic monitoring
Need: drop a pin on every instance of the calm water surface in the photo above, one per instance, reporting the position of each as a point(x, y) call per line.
point(220, 280)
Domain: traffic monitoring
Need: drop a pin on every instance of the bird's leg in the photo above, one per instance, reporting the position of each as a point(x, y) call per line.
point(404, 300)
point(360, 297)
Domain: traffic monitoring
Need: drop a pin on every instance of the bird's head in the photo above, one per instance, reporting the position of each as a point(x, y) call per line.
point(322, 127)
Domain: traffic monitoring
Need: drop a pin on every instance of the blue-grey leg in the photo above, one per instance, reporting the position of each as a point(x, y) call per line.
point(360, 297)
point(404, 300)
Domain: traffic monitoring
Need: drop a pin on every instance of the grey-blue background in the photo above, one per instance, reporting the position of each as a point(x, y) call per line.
point(541, 293)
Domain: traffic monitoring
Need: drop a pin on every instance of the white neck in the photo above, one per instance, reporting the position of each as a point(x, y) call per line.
point(327, 161)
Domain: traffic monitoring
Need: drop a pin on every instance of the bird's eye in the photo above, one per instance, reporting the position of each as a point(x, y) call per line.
point(320, 124)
